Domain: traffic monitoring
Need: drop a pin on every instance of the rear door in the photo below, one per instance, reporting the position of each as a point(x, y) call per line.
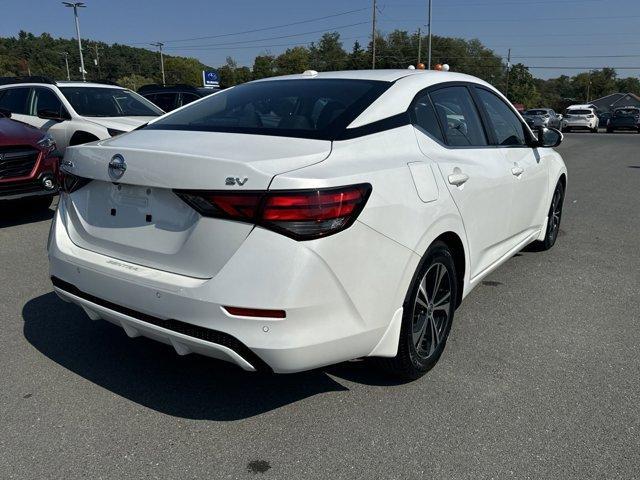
point(476, 175)
point(529, 178)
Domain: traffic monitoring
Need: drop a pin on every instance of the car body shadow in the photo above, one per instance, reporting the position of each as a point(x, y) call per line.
point(13, 214)
point(151, 374)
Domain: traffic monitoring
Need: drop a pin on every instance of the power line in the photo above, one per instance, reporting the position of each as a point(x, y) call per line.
point(301, 22)
point(539, 19)
point(206, 46)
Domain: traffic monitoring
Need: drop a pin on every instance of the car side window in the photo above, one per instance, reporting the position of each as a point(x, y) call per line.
point(505, 124)
point(45, 99)
point(166, 100)
point(424, 117)
point(187, 98)
point(458, 117)
point(15, 100)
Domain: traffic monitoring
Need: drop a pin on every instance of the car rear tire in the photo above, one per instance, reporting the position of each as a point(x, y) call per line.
point(427, 317)
point(594, 130)
point(609, 130)
point(553, 220)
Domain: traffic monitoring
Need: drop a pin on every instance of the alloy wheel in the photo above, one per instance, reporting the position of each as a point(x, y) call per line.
point(555, 214)
point(432, 310)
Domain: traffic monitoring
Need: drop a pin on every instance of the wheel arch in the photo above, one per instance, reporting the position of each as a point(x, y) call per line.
point(456, 247)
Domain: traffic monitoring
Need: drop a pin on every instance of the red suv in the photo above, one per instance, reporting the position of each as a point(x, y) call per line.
point(28, 164)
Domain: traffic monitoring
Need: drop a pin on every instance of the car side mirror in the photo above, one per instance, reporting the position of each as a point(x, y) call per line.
point(5, 113)
point(51, 115)
point(548, 137)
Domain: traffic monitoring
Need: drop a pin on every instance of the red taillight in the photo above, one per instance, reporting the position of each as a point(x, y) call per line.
point(299, 214)
point(255, 312)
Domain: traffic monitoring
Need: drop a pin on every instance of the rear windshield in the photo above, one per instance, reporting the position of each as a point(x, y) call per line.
point(626, 112)
point(536, 112)
point(310, 108)
point(109, 102)
point(579, 112)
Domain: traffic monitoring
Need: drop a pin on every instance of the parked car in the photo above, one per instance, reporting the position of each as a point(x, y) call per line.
point(603, 119)
point(624, 118)
point(75, 112)
point(545, 117)
point(28, 164)
point(580, 117)
point(170, 97)
point(295, 222)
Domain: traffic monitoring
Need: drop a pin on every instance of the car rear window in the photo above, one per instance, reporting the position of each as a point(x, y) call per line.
point(579, 112)
point(626, 112)
point(536, 112)
point(309, 108)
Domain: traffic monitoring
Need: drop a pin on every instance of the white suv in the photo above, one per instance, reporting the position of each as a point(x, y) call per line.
point(75, 112)
point(580, 117)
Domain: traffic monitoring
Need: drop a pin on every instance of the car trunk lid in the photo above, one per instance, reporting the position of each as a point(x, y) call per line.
point(138, 218)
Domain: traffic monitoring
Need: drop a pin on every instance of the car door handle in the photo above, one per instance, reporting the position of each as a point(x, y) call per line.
point(517, 171)
point(458, 178)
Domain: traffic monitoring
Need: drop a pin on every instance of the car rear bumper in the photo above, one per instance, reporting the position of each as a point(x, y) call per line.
point(325, 322)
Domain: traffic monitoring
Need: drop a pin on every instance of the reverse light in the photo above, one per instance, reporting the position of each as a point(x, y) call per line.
point(298, 214)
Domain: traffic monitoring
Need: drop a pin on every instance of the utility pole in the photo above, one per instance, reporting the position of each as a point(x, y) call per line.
point(429, 30)
point(373, 37)
point(98, 60)
point(419, 46)
point(589, 87)
point(66, 62)
point(160, 45)
point(506, 88)
point(75, 6)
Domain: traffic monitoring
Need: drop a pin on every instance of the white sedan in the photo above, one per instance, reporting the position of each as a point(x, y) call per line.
point(296, 222)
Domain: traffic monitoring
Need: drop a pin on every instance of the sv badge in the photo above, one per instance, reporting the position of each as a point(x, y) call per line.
point(236, 181)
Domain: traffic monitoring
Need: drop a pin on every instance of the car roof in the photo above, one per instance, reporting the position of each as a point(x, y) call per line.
point(576, 107)
point(67, 83)
point(384, 75)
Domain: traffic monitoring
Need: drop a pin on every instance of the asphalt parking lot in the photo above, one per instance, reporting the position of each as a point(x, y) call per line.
point(540, 378)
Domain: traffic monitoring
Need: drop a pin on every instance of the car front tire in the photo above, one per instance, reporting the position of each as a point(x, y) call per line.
point(427, 315)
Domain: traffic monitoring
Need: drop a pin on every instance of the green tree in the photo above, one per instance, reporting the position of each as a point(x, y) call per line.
point(358, 58)
point(328, 54)
point(293, 60)
point(264, 66)
point(522, 86)
point(134, 81)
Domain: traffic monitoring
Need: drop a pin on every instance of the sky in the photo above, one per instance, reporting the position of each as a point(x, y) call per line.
point(552, 37)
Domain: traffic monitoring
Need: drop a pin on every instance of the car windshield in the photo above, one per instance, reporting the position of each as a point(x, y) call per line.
point(627, 112)
point(579, 112)
point(536, 112)
point(109, 102)
point(309, 108)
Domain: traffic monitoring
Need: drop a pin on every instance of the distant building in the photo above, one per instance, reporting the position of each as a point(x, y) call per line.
point(615, 100)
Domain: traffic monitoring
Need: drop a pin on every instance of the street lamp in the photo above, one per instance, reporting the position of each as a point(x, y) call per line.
point(75, 6)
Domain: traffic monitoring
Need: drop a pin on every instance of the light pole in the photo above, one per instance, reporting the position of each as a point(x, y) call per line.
point(75, 6)
point(159, 45)
point(429, 48)
point(66, 62)
point(373, 37)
